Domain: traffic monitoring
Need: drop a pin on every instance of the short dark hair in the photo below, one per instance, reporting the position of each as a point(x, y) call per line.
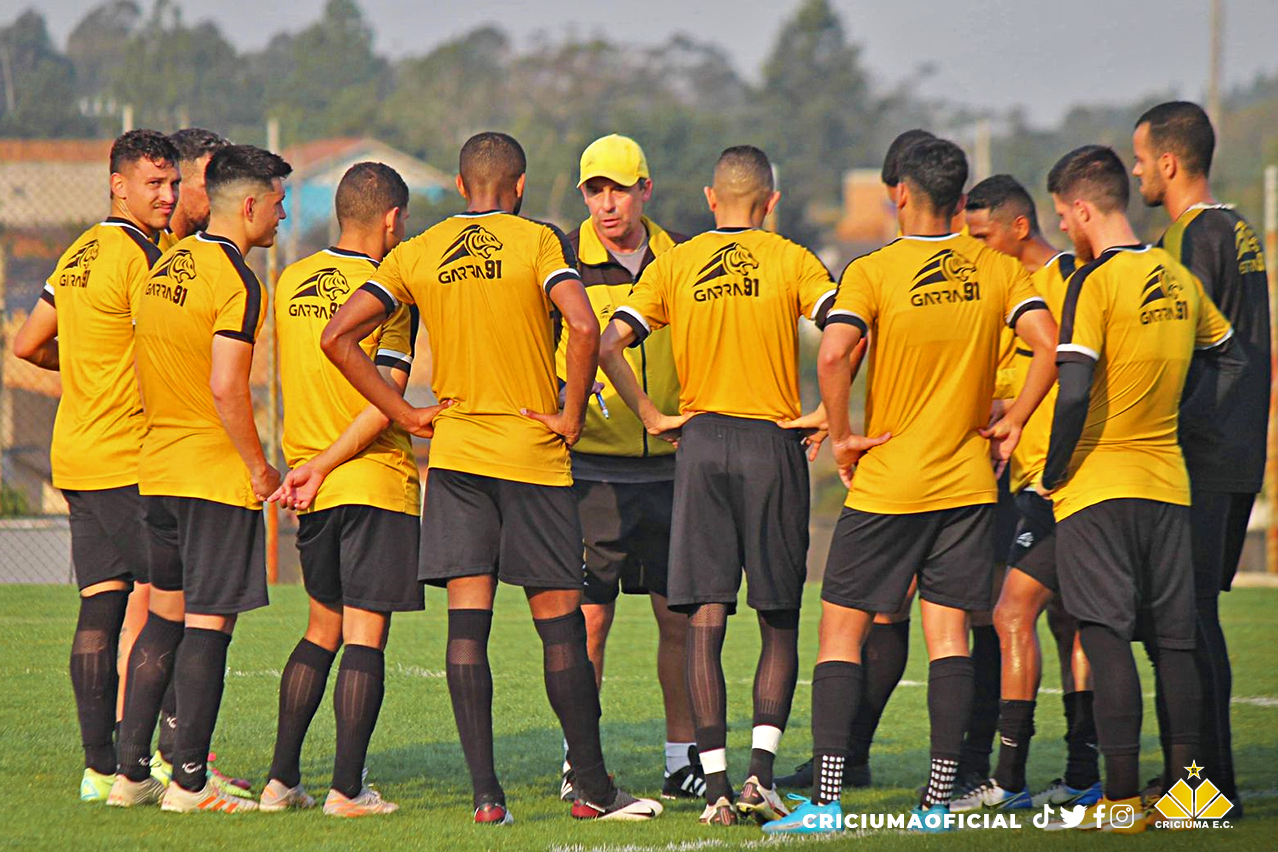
point(1003, 193)
point(491, 159)
point(194, 142)
point(1092, 172)
point(1182, 128)
point(235, 163)
point(891, 173)
point(367, 192)
point(938, 168)
point(141, 145)
point(745, 170)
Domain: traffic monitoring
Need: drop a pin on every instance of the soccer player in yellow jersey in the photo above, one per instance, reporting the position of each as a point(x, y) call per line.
point(921, 504)
point(83, 327)
point(622, 476)
point(1225, 451)
point(732, 298)
point(1001, 214)
point(499, 501)
point(202, 469)
point(1131, 322)
point(354, 484)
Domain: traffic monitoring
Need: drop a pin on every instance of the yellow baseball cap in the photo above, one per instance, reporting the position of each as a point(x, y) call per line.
point(618, 158)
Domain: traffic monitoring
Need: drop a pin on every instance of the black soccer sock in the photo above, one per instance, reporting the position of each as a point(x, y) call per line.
point(1117, 705)
point(94, 677)
point(1184, 708)
point(883, 659)
point(1164, 720)
point(200, 675)
point(150, 674)
point(1016, 729)
point(836, 690)
point(571, 688)
point(168, 724)
point(950, 684)
point(978, 743)
point(1216, 737)
point(1082, 767)
point(357, 700)
point(470, 685)
point(301, 690)
point(707, 695)
point(774, 682)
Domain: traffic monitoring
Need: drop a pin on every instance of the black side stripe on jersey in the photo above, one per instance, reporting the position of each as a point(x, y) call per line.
point(150, 249)
point(382, 294)
point(847, 318)
point(252, 294)
point(570, 256)
point(558, 277)
point(631, 318)
point(414, 323)
point(1034, 303)
point(1066, 349)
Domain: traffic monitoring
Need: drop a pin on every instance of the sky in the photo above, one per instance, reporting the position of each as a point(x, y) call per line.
point(1045, 55)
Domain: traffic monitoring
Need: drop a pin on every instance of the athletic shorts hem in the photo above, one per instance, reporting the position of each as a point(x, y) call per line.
point(773, 605)
point(235, 609)
point(125, 577)
point(864, 606)
point(441, 578)
point(684, 605)
point(1037, 576)
point(1175, 644)
point(955, 603)
point(385, 606)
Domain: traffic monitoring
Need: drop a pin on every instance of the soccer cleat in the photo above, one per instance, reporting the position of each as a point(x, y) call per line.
point(622, 807)
point(1059, 794)
point(808, 818)
point(277, 796)
point(493, 813)
point(161, 769)
point(369, 802)
point(237, 787)
point(923, 813)
point(1153, 791)
point(686, 782)
point(722, 812)
point(209, 800)
point(567, 791)
point(95, 787)
point(126, 793)
point(761, 803)
point(990, 796)
point(854, 775)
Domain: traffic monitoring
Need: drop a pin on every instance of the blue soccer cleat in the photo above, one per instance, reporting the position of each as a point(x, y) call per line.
point(808, 818)
point(940, 811)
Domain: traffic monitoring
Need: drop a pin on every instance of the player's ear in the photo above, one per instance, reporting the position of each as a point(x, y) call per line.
point(1021, 228)
point(391, 219)
point(248, 207)
point(1168, 165)
point(771, 203)
point(711, 202)
point(519, 185)
point(646, 193)
point(118, 184)
point(961, 206)
point(902, 195)
point(461, 188)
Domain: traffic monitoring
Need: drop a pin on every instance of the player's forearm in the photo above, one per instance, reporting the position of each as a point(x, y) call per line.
point(1068, 420)
point(615, 366)
point(353, 363)
point(361, 431)
point(1038, 382)
point(834, 375)
point(582, 360)
point(44, 356)
point(235, 409)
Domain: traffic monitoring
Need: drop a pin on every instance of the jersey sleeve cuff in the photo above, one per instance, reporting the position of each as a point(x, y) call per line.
point(389, 302)
point(1224, 338)
point(821, 311)
point(558, 277)
point(46, 295)
point(838, 315)
point(1076, 353)
point(1034, 303)
point(632, 318)
point(394, 360)
point(235, 334)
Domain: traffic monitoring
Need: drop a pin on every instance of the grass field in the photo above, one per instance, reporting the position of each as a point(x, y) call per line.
point(415, 759)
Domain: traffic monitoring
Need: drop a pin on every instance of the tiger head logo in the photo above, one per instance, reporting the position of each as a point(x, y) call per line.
point(1159, 285)
point(733, 259)
point(86, 255)
point(473, 241)
point(328, 284)
point(946, 266)
point(180, 266)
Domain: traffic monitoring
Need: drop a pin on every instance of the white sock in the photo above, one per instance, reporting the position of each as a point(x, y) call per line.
point(715, 760)
point(766, 737)
point(677, 756)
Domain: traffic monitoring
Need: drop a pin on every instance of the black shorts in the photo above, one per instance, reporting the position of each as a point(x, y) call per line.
point(1125, 563)
point(1033, 550)
point(740, 501)
point(874, 558)
point(528, 535)
point(626, 526)
point(1219, 531)
point(215, 554)
point(361, 556)
point(108, 536)
point(1006, 517)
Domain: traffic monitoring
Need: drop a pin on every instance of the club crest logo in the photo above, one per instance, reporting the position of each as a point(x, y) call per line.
point(474, 241)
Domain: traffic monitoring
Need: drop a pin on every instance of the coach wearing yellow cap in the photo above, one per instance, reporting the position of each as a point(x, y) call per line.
point(624, 478)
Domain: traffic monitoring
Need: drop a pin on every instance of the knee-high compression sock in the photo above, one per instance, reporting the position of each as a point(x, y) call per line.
point(978, 743)
point(883, 659)
point(200, 675)
point(1184, 708)
point(150, 675)
point(1216, 738)
point(1016, 729)
point(470, 685)
point(1117, 706)
point(94, 677)
point(574, 696)
point(1082, 767)
point(950, 684)
point(774, 682)
point(707, 695)
point(301, 690)
point(357, 700)
point(168, 724)
point(836, 688)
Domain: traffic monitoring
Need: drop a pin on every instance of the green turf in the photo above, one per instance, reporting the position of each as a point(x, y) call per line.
point(415, 759)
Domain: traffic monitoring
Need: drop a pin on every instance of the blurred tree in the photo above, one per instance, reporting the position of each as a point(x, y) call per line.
point(100, 42)
point(37, 83)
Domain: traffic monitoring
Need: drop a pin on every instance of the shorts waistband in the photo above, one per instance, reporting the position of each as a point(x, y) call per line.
point(749, 424)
